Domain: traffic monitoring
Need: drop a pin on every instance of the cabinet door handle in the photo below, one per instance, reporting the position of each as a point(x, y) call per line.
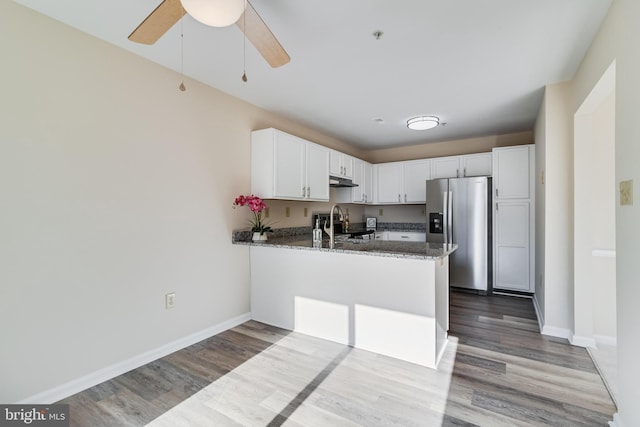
point(496, 192)
point(308, 191)
point(464, 172)
point(303, 192)
point(399, 198)
point(457, 173)
point(405, 198)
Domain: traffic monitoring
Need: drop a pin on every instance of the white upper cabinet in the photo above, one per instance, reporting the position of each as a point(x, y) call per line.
point(367, 184)
point(388, 178)
point(363, 177)
point(461, 166)
point(476, 164)
point(416, 174)
point(402, 182)
point(284, 166)
point(446, 167)
point(341, 165)
point(317, 176)
point(288, 168)
point(512, 172)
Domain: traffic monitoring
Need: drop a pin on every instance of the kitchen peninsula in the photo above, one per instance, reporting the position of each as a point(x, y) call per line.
point(387, 297)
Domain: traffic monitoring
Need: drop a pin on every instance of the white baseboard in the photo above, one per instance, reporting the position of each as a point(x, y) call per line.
point(553, 331)
point(582, 341)
point(616, 421)
point(539, 314)
point(606, 340)
point(75, 386)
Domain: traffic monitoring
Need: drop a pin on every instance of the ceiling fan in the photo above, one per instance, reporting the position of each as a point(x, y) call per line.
point(255, 30)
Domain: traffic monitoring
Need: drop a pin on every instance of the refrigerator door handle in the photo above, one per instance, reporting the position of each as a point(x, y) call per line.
point(449, 220)
point(445, 223)
point(445, 217)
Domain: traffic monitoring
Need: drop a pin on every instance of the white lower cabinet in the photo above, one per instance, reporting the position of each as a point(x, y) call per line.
point(512, 269)
point(406, 236)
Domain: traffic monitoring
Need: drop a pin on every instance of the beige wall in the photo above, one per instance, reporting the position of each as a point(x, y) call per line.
point(116, 188)
point(449, 148)
point(278, 208)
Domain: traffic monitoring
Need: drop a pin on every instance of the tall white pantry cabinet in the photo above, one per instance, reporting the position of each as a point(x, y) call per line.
point(514, 218)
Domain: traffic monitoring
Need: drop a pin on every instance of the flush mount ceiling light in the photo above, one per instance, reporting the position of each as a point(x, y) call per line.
point(215, 13)
point(423, 122)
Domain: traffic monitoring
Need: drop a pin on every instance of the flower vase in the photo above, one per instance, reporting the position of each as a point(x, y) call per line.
point(257, 237)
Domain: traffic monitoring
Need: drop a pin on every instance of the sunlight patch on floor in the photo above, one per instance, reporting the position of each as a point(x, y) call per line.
point(303, 380)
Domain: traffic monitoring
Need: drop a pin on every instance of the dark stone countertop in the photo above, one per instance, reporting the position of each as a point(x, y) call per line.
point(416, 250)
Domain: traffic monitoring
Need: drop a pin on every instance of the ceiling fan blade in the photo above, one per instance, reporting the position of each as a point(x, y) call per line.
point(158, 22)
point(262, 38)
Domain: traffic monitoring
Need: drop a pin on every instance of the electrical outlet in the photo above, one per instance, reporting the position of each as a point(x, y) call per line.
point(423, 212)
point(287, 212)
point(380, 212)
point(266, 213)
point(170, 300)
point(305, 212)
point(626, 193)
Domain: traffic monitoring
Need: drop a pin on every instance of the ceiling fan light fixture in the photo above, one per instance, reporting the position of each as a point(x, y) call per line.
point(215, 13)
point(423, 122)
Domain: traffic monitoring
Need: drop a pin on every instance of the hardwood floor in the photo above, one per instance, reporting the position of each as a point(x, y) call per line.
point(497, 371)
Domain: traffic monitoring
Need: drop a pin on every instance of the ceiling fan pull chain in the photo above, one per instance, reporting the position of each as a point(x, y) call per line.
point(244, 44)
point(182, 87)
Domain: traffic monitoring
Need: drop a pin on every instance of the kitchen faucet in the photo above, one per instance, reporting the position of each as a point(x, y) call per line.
point(330, 229)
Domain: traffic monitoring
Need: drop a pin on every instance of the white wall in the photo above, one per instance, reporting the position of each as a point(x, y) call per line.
point(617, 40)
point(115, 188)
point(603, 231)
point(540, 139)
point(554, 225)
point(594, 203)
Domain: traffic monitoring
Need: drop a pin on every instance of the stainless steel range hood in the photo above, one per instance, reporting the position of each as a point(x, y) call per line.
point(336, 181)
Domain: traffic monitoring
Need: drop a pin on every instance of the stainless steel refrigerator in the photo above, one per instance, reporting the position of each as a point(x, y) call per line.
point(459, 211)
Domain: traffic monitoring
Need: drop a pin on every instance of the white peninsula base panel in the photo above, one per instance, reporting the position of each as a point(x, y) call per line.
point(394, 306)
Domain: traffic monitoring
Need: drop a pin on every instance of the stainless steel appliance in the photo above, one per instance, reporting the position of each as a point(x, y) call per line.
point(459, 211)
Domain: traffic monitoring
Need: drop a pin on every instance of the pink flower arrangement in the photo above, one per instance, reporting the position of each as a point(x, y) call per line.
point(256, 205)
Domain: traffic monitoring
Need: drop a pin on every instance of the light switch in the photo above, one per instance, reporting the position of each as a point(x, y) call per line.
point(170, 300)
point(626, 193)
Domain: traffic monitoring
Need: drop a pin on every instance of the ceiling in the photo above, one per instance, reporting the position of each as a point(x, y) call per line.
point(480, 66)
